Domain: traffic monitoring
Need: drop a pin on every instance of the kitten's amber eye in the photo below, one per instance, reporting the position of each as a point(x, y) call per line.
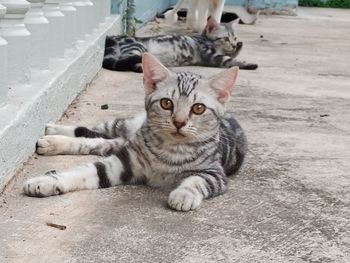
point(166, 104)
point(198, 108)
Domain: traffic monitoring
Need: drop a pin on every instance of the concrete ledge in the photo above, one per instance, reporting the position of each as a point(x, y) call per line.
point(30, 107)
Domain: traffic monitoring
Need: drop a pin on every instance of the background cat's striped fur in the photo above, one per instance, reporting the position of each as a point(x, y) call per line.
point(216, 47)
point(184, 140)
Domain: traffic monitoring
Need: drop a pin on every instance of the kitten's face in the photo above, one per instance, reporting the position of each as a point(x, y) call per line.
point(224, 37)
point(184, 107)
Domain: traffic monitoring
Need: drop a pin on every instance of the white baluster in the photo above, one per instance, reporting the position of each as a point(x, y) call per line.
point(3, 62)
point(98, 11)
point(56, 28)
point(82, 15)
point(90, 20)
point(38, 26)
point(107, 10)
point(103, 8)
point(71, 23)
point(12, 29)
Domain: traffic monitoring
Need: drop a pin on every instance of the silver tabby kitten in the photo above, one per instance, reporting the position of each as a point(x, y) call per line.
point(216, 47)
point(184, 140)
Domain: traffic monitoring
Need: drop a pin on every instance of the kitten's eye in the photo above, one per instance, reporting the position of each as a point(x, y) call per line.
point(166, 104)
point(198, 108)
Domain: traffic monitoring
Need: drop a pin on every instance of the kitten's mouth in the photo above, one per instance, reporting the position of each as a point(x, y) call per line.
point(178, 134)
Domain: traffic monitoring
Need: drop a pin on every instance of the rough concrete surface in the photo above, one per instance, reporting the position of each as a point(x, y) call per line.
point(290, 202)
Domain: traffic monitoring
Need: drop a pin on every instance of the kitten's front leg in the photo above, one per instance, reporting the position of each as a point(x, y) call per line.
point(171, 15)
point(223, 61)
point(202, 15)
point(79, 131)
point(58, 129)
point(108, 172)
point(228, 62)
point(59, 144)
point(217, 8)
point(198, 186)
point(108, 130)
point(192, 15)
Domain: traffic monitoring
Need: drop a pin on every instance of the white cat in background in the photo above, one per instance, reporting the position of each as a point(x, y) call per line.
point(197, 12)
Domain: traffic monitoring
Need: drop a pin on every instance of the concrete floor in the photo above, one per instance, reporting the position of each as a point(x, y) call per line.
point(290, 203)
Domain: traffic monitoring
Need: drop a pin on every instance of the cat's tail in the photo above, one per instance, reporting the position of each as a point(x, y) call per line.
point(110, 41)
point(130, 63)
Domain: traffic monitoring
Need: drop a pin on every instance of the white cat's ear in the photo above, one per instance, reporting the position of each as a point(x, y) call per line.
point(211, 24)
point(234, 23)
point(223, 84)
point(153, 72)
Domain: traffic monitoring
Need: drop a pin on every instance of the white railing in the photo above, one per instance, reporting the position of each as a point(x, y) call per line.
point(34, 32)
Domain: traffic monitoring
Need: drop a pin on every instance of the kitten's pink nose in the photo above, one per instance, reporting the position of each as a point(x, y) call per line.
point(179, 124)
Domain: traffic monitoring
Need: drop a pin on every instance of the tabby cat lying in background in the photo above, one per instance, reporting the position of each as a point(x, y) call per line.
point(216, 47)
point(184, 140)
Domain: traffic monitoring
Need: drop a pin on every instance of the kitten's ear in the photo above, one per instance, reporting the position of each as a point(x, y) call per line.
point(223, 84)
point(234, 23)
point(211, 24)
point(153, 72)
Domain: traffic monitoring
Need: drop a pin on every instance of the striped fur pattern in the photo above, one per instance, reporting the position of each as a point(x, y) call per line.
point(175, 148)
point(216, 47)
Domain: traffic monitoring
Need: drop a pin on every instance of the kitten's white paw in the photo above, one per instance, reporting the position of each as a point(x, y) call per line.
point(56, 129)
point(52, 145)
point(170, 17)
point(183, 199)
point(42, 186)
